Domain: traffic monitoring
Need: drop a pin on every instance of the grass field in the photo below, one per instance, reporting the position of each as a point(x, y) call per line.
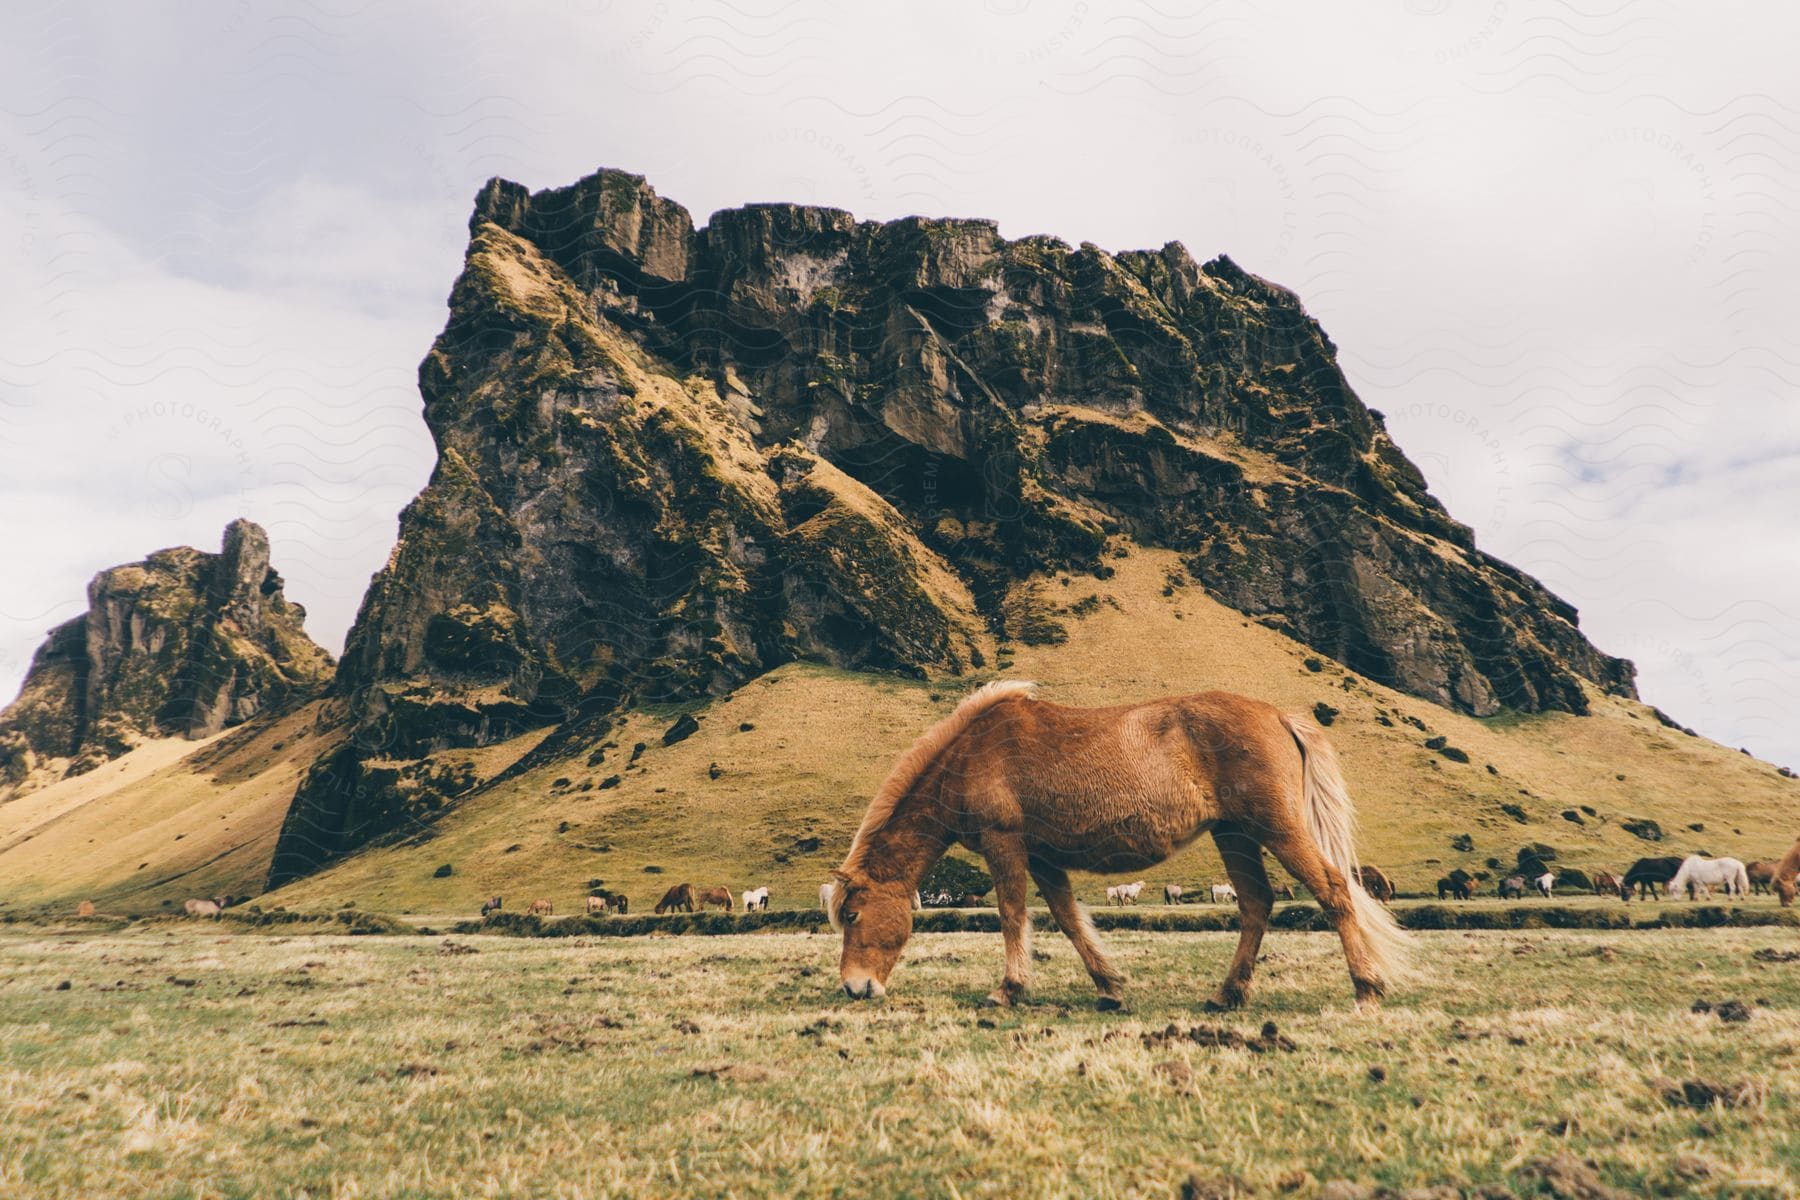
point(187, 1060)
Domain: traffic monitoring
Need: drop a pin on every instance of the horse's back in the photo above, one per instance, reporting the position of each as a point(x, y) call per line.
point(1120, 788)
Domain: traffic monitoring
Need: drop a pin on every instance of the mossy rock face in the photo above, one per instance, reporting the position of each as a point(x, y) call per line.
point(185, 643)
point(1574, 879)
point(672, 459)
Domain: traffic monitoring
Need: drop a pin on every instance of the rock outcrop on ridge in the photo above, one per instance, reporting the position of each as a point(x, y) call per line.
point(184, 643)
point(672, 458)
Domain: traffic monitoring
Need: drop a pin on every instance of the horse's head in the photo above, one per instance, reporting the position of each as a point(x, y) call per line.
point(875, 918)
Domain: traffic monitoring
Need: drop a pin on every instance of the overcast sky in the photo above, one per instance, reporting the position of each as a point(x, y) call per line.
point(1555, 245)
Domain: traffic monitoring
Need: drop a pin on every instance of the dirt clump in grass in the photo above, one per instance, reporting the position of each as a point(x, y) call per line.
point(1214, 1187)
point(1269, 1039)
point(1732, 1012)
point(1705, 1094)
point(1570, 1178)
point(1771, 955)
point(734, 1073)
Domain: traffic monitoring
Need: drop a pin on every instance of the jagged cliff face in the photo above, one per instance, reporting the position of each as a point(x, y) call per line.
point(670, 459)
point(183, 643)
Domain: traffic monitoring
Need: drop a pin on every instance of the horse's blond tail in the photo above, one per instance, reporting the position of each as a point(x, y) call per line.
point(1332, 819)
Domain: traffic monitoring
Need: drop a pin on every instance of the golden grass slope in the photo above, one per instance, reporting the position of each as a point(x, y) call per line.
point(170, 820)
point(771, 787)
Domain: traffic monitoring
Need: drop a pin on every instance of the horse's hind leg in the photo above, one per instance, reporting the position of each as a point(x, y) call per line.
point(1243, 863)
point(1053, 882)
point(1301, 857)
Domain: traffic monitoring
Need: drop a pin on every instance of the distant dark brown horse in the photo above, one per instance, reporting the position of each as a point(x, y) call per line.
point(1647, 876)
point(1456, 888)
point(491, 904)
point(1040, 789)
point(679, 898)
point(1761, 875)
point(1377, 884)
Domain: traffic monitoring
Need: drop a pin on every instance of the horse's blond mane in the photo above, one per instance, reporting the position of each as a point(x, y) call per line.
point(930, 744)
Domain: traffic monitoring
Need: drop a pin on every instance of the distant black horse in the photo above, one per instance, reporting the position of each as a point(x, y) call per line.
point(1648, 875)
point(1456, 886)
point(491, 904)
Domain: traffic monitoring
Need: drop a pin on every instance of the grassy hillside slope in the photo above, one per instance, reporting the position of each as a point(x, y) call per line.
point(742, 806)
point(770, 787)
point(171, 819)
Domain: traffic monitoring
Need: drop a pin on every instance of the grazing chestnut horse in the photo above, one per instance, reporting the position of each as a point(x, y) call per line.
point(713, 895)
point(1606, 883)
point(1039, 789)
point(542, 908)
point(1377, 884)
point(679, 898)
point(1761, 875)
point(1785, 872)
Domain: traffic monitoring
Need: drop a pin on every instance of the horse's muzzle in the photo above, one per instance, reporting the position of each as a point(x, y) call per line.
point(864, 988)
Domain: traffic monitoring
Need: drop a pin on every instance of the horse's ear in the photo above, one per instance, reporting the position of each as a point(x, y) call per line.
point(839, 876)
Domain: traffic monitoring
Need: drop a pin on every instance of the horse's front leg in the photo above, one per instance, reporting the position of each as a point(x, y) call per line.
point(1053, 882)
point(1242, 856)
point(1007, 862)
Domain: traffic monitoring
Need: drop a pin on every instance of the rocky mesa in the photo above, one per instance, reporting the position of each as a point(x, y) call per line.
point(184, 643)
point(671, 459)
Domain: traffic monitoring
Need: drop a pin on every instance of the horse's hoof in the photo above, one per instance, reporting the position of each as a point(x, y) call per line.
point(1224, 1001)
point(1109, 1004)
point(996, 1000)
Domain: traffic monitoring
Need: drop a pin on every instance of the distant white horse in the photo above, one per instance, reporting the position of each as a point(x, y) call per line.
point(756, 898)
point(918, 901)
point(1129, 892)
point(1171, 893)
point(1702, 874)
point(204, 908)
point(1543, 883)
point(825, 893)
point(1224, 893)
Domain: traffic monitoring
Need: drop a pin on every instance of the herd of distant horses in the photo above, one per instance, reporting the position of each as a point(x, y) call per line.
point(1694, 877)
point(1039, 789)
